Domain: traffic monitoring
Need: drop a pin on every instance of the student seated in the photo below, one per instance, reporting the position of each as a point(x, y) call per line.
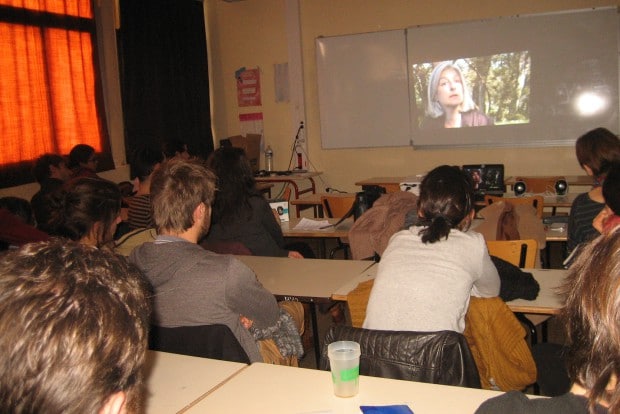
point(591, 319)
point(143, 164)
point(596, 150)
point(609, 217)
point(429, 271)
point(74, 322)
point(241, 213)
point(83, 161)
point(51, 173)
point(194, 286)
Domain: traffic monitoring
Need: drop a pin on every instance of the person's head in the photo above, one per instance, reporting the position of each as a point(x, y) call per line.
point(74, 323)
point(179, 188)
point(144, 162)
point(176, 148)
point(596, 150)
point(445, 202)
point(20, 207)
point(235, 182)
point(88, 210)
point(592, 319)
point(447, 87)
point(50, 166)
point(83, 156)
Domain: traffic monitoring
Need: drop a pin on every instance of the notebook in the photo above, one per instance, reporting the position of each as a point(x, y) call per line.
point(488, 179)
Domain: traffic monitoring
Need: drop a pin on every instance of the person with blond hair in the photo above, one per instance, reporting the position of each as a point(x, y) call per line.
point(74, 322)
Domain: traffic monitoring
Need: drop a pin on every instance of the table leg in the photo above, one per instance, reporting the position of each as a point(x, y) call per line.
point(315, 334)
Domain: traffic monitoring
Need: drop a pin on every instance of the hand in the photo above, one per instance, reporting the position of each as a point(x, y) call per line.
point(295, 255)
point(247, 323)
point(276, 215)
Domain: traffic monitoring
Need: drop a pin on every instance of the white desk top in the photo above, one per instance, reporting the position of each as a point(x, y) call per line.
point(263, 388)
point(315, 279)
point(174, 382)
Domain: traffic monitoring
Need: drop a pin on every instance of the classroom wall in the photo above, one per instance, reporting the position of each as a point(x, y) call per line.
point(252, 33)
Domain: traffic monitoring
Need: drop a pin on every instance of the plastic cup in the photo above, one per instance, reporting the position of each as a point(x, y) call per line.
point(344, 360)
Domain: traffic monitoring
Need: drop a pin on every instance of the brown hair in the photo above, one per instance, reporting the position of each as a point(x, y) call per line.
point(177, 188)
point(74, 323)
point(84, 202)
point(598, 149)
point(592, 314)
point(445, 202)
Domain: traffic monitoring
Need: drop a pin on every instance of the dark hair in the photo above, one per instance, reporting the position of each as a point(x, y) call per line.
point(82, 203)
point(611, 188)
point(81, 153)
point(19, 207)
point(41, 168)
point(598, 149)
point(144, 161)
point(445, 202)
point(591, 314)
point(173, 147)
point(74, 322)
point(235, 184)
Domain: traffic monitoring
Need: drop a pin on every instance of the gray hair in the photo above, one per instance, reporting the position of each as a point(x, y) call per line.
point(434, 108)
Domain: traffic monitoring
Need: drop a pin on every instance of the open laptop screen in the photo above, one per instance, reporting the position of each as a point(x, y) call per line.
point(488, 178)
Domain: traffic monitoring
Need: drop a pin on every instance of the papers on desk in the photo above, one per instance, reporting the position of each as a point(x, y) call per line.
point(308, 224)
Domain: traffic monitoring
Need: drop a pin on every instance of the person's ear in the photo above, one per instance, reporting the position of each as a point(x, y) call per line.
point(115, 404)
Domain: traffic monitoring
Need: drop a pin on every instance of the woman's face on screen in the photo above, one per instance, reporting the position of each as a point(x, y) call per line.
point(450, 88)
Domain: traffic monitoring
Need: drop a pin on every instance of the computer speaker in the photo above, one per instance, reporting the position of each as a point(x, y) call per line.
point(519, 188)
point(561, 187)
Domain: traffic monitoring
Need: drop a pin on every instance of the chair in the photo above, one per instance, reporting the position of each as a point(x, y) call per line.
point(538, 202)
point(434, 357)
point(521, 253)
point(338, 206)
point(205, 341)
point(357, 301)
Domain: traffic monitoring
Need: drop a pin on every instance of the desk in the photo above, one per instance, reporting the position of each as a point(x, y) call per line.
point(175, 382)
point(314, 201)
point(293, 179)
point(340, 231)
point(263, 388)
point(305, 280)
point(391, 184)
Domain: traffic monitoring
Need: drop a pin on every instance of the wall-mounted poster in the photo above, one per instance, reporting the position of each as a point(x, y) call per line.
point(248, 87)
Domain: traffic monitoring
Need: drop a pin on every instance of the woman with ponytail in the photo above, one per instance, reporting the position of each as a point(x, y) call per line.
point(428, 271)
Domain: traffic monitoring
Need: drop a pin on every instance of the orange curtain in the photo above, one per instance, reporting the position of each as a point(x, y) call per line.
point(47, 83)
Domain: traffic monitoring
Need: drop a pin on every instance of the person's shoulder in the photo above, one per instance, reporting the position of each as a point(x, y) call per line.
point(516, 402)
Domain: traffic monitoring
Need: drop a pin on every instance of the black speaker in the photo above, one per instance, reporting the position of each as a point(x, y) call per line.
point(561, 187)
point(520, 188)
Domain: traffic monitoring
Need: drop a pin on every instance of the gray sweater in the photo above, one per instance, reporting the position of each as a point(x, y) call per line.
point(196, 287)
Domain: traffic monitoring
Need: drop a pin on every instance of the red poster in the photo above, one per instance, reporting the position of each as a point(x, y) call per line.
point(248, 88)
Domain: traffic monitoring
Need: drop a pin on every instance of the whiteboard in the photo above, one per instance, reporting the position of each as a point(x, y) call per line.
point(363, 90)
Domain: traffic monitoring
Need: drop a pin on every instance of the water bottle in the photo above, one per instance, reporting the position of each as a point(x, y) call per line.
point(268, 159)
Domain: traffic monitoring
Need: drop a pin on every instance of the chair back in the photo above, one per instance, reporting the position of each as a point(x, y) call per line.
point(337, 205)
point(286, 195)
point(435, 357)
point(538, 202)
point(521, 253)
point(206, 341)
point(226, 247)
point(357, 301)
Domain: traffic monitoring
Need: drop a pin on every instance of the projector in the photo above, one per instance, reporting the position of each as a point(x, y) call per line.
point(561, 187)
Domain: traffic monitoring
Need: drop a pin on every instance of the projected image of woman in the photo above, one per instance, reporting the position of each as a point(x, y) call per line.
point(450, 104)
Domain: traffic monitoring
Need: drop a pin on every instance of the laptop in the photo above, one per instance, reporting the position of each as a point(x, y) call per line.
point(488, 179)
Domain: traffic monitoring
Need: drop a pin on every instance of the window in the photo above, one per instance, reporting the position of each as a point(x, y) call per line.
point(49, 87)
